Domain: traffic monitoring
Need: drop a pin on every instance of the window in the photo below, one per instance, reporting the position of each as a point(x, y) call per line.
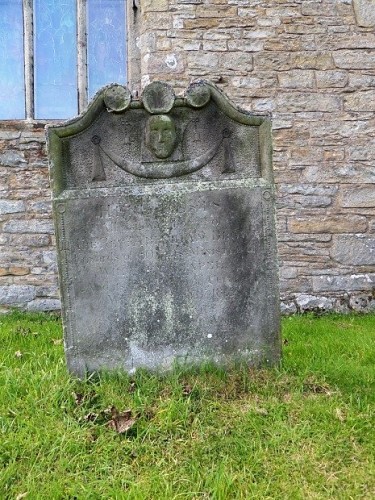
point(55, 54)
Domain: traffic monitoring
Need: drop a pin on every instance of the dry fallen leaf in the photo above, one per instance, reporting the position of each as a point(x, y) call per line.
point(57, 341)
point(315, 387)
point(78, 397)
point(111, 410)
point(90, 417)
point(121, 422)
point(18, 354)
point(132, 387)
point(81, 398)
point(186, 390)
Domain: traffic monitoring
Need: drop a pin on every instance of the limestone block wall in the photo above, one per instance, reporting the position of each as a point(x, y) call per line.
point(308, 64)
point(27, 251)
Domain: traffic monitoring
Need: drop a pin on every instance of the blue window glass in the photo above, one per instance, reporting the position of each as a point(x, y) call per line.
point(55, 58)
point(12, 83)
point(106, 43)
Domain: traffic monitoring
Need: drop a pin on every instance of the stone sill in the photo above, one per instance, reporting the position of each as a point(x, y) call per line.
point(27, 124)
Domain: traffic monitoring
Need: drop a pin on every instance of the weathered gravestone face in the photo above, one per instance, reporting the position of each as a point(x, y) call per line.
point(164, 213)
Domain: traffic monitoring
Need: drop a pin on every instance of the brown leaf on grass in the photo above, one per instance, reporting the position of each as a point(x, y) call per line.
point(81, 398)
point(18, 354)
point(132, 387)
point(90, 417)
point(110, 411)
point(285, 341)
point(121, 422)
point(78, 398)
point(187, 390)
point(21, 495)
point(57, 341)
point(315, 387)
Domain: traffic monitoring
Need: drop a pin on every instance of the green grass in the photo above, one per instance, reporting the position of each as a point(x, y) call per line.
point(305, 430)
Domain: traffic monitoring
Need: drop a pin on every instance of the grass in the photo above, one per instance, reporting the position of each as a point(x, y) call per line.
point(305, 430)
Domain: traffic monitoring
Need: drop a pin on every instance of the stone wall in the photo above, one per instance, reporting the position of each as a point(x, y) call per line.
point(311, 65)
point(27, 254)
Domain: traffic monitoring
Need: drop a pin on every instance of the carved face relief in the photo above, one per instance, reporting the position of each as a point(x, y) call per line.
point(161, 135)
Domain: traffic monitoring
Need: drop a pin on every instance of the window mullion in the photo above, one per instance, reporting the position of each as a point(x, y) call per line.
point(82, 54)
point(29, 57)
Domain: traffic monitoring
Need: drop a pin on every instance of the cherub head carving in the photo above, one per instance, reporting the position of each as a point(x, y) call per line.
point(161, 135)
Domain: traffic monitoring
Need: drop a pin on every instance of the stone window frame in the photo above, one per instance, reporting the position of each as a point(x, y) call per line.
point(82, 70)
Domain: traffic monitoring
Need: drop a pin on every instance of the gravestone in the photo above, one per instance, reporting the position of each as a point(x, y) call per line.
point(164, 215)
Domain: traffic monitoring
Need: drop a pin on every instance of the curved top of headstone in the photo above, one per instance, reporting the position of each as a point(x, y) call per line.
point(158, 136)
point(157, 97)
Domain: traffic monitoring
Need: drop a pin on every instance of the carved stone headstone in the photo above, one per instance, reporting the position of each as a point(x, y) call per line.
point(164, 212)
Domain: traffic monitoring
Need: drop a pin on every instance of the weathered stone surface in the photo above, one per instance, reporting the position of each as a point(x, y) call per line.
point(165, 62)
point(312, 60)
point(167, 250)
point(11, 207)
point(14, 271)
point(16, 294)
point(44, 305)
point(198, 95)
point(354, 249)
point(298, 102)
point(307, 302)
point(335, 224)
point(362, 303)
point(297, 79)
point(345, 283)
point(12, 159)
point(304, 201)
point(360, 101)
point(288, 272)
point(31, 226)
point(29, 240)
point(156, 5)
point(288, 308)
point(358, 196)
point(308, 189)
point(158, 97)
point(345, 173)
point(364, 12)
point(117, 98)
point(354, 59)
point(328, 79)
